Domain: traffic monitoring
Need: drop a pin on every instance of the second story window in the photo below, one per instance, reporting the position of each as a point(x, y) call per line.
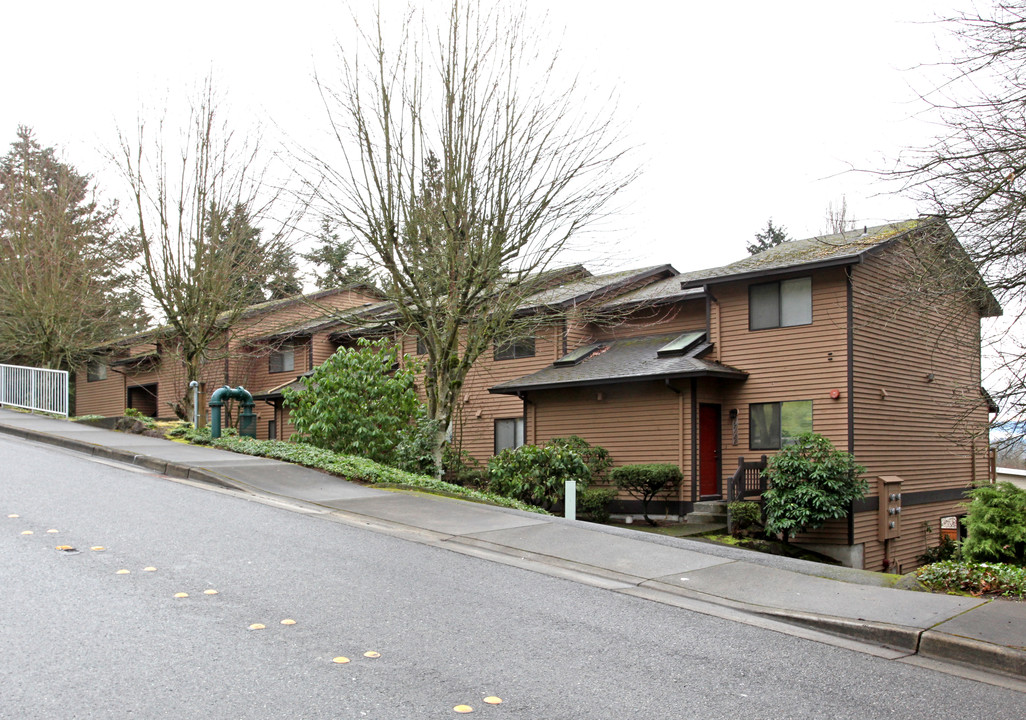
point(780, 304)
point(282, 360)
point(521, 347)
point(421, 346)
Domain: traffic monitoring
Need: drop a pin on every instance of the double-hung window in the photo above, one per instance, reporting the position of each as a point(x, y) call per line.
point(773, 425)
point(784, 303)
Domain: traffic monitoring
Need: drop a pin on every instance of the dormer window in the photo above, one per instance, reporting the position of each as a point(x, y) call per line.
point(784, 303)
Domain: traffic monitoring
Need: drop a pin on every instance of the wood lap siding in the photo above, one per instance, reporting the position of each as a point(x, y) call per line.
point(922, 429)
point(791, 363)
point(100, 397)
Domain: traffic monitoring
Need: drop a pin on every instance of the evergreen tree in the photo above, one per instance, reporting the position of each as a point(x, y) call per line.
point(770, 237)
point(66, 283)
point(332, 254)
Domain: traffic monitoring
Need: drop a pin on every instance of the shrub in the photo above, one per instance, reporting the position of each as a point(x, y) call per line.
point(809, 483)
point(947, 550)
point(975, 578)
point(996, 522)
point(644, 482)
point(536, 474)
point(594, 502)
point(136, 414)
point(360, 402)
point(744, 515)
point(596, 457)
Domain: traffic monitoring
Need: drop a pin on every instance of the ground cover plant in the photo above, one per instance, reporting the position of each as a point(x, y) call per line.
point(349, 467)
point(955, 576)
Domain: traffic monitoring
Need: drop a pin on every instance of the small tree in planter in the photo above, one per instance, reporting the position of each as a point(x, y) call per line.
point(644, 482)
point(809, 483)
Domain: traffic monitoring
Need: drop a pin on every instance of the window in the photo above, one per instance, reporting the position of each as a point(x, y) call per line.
point(780, 304)
point(96, 371)
point(773, 425)
point(509, 433)
point(521, 347)
point(421, 346)
point(282, 360)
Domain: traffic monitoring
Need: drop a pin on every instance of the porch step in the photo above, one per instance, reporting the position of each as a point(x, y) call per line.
point(708, 511)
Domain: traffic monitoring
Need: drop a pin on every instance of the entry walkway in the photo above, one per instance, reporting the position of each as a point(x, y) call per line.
point(794, 596)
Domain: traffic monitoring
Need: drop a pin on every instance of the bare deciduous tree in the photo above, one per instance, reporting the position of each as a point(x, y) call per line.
point(837, 219)
point(972, 175)
point(465, 169)
point(197, 263)
point(66, 281)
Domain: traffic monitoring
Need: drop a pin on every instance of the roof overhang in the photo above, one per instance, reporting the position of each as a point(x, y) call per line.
point(725, 374)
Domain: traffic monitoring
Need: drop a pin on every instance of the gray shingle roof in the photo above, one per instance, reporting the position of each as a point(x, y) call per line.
point(628, 360)
point(838, 249)
point(584, 288)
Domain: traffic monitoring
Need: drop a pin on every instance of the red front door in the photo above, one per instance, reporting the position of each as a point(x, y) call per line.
point(709, 450)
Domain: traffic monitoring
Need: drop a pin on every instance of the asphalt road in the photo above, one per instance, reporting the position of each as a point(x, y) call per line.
point(79, 640)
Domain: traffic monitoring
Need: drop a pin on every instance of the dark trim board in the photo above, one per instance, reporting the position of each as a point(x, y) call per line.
point(923, 497)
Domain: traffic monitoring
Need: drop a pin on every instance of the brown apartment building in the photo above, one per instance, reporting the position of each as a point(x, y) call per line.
point(870, 338)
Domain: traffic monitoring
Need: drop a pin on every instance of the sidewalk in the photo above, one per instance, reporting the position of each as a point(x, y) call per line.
point(794, 596)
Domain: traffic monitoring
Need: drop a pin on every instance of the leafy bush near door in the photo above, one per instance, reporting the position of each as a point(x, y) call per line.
point(810, 483)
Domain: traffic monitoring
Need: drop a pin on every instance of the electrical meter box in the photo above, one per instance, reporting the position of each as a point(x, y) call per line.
point(890, 506)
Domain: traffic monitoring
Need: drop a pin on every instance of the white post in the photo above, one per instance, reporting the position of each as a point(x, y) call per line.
point(570, 500)
point(195, 404)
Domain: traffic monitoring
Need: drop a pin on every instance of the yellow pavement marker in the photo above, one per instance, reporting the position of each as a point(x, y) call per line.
point(463, 709)
point(372, 654)
point(256, 626)
point(65, 547)
point(26, 532)
point(97, 548)
point(122, 571)
point(211, 591)
point(52, 530)
point(288, 621)
point(341, 660)
point(492, 700)
point(12, 515)
point(150, 569)
point(181, 595)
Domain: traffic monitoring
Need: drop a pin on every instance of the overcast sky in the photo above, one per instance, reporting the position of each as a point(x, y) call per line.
point(739, 111)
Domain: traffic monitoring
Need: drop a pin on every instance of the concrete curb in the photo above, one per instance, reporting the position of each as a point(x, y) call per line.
point(898, 637)
point(175, 470)
point(975, 653)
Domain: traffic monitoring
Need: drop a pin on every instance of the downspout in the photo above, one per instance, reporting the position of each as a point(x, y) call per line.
point(694, 440)
point(851, 388)
point(680, 441)
point(534, 434)
point(274, 414)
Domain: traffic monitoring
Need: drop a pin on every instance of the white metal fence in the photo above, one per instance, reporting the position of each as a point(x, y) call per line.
point(34, 389)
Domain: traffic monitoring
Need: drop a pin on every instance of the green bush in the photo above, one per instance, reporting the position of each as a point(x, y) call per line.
point(596, 457)
point(975, 578)
point(809, 483)
point(535, 474)
point(594, 502)
point(644, 482)
point(136, 414)
point(996, 524)
point(361, 402)
point(744, 515)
